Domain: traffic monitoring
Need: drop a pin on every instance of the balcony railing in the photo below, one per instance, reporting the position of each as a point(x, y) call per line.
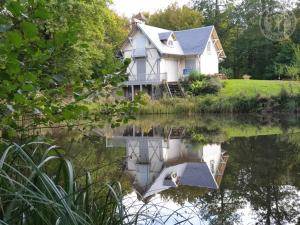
point(147, 78)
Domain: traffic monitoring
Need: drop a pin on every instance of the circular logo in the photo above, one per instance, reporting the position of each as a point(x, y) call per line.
point(277, 24)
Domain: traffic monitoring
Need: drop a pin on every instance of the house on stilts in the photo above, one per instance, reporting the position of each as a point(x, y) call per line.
point(161, 58)
point(161, 158)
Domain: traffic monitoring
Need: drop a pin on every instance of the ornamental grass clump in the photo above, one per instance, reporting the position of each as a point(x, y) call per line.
point(39, 186)
point(208, 85)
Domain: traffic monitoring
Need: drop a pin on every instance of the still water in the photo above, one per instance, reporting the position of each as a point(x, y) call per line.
point(237, 169)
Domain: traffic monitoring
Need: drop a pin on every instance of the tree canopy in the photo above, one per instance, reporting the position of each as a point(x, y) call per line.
point(176, 18)
point(54, 54)
point(238, 25)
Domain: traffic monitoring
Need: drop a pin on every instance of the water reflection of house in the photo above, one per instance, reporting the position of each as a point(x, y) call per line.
point(160, 158)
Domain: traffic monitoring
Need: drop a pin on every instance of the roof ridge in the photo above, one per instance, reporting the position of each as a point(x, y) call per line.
point(166, 30)
point(194, 28)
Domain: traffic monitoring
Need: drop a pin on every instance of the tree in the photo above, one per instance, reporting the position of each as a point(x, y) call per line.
point(52, 56)
point(294, 69)
point(248, 50)
point(176, 18)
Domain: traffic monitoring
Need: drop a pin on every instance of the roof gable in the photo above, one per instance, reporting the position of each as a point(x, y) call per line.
point(152, 33)
point(191, 174)
point(194, 41)
point(165, 35)
point(186, 42)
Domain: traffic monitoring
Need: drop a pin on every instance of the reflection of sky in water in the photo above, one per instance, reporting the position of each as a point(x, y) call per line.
point(258, 188)
point(162, 209)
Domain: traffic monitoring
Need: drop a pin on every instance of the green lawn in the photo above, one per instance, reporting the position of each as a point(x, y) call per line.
point(254, 87)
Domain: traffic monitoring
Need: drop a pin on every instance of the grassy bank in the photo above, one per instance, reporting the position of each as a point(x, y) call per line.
point(237, 96)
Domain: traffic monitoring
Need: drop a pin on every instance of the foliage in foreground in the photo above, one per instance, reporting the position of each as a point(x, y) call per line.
point(53, 55)
point(39, 186)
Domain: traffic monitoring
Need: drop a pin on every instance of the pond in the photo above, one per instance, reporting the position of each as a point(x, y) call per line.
point(206, 169)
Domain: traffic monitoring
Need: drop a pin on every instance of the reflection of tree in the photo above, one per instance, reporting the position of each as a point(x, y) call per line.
point(264, 165)
point(181, 194)
point(89, 153)
point(220, 206)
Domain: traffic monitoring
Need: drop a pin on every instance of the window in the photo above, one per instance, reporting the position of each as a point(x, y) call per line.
point(170, 43)
point(209, 47)
point(190, 64)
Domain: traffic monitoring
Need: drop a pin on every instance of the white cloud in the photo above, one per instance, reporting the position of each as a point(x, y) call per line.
point(132, 7)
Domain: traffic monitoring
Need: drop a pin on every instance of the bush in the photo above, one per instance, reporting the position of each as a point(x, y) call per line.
point(206, 86)
point(227, 71)
point(196, 76)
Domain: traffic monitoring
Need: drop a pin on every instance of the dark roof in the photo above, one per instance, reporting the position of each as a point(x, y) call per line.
point(194, 41)
point(198, 175)
point(165, 35)
point(189, 174)
point(188, 42)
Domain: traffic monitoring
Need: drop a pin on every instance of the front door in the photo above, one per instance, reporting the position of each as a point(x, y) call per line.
point(141, 69)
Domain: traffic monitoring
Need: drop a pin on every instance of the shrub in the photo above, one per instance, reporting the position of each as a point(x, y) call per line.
point(227, 71)
point(196, 76)
point(283, 95)
point(206, 86)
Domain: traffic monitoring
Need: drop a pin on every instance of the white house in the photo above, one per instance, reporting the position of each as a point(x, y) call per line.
point(159, 159)
point(160, 58)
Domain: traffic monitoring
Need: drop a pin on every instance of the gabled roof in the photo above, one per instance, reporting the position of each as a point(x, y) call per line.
point(188, 42)
point(194, 41)
point(190, 174)
point(153, 35)
point(165, 35)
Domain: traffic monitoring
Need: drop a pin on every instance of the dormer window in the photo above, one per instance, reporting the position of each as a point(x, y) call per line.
point(167, 38)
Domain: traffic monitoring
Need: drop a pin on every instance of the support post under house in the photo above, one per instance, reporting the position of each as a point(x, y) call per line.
point(132, 92)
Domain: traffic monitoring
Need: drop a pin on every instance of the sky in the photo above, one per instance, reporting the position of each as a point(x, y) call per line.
point(132, 7)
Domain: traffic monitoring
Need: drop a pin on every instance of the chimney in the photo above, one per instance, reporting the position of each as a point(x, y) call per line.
point(139, 18)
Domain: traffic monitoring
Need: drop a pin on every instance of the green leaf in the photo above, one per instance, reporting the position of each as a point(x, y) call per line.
point(27, 87)
point(60, 38)
point(31, 77)
point(41, 13)
point(20, 99)
point(3, 20)
point(13, 66)
point(15, 8)
point(120, 92)
point(30, 30)
point(21, 78)
point(15, 38)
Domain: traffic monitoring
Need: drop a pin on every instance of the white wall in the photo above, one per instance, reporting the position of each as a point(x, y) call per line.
point(174, 151)
point(209, 62)
point(212, 156)
point(171, 67)
point(140, 41)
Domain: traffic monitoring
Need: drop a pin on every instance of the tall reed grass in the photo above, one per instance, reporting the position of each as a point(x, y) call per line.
point(39, 186)
point(218, 104)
